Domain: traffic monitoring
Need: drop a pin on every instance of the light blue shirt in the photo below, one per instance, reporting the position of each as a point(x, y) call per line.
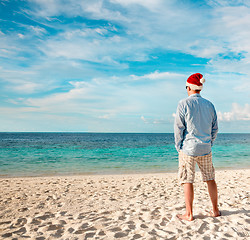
point(195, 126)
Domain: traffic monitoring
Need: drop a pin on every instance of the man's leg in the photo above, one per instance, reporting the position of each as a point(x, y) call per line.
point(207, 169)
point(186, 178)
point(213, 193)
point(189, 198)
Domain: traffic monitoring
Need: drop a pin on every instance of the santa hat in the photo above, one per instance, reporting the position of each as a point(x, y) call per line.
point(195, 81)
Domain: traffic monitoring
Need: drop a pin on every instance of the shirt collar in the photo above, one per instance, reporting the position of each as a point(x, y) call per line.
point(195, 95)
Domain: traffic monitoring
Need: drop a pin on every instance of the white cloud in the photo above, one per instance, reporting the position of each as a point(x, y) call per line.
point(145, 3)
point(237, 113)
point(21, 81)
point(158, 75)
point(20, 35)
point(154, 121)
point(106, 98)
point(92, 45)
point(144, 30)
point(38, 30)
point(144, 119)
point(95, 9)
point(106, 116)
point(169, 25)
point(206, 33)
point(27, 87)
point(229, 27)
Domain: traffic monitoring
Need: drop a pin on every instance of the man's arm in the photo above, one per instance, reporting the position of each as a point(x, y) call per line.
point(214, 128)
point(179, 127)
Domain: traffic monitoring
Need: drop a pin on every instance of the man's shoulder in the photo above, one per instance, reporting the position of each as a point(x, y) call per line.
point(186, 101)
point(198, 98)
point(183, 101)
point(207, 101)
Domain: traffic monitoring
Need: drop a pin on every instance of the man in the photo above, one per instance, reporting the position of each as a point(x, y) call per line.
point(195, 131)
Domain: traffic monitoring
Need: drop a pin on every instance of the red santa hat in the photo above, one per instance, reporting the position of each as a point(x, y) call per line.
point(195, 81)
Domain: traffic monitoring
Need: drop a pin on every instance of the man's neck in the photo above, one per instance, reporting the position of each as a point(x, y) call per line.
point(191, 92)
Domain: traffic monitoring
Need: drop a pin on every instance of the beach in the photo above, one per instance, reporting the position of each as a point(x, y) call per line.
point(132, 206)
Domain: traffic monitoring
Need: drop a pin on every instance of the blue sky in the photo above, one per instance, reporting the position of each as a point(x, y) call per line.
point(120, 65)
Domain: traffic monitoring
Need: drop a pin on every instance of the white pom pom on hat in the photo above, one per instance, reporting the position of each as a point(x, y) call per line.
point(202, 80)
point(195, 81)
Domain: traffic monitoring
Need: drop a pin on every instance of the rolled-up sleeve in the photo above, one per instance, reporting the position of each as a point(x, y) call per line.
point(179, 127)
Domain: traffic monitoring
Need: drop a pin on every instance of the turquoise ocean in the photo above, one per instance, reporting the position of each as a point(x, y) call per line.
point(42, 154)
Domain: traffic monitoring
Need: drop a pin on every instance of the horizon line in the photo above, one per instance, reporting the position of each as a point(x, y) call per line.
point(109, 132)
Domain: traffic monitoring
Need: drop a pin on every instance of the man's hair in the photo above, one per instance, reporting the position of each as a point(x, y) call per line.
point(197, 91)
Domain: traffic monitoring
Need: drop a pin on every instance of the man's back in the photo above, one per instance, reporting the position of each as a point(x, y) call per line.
point(196, 123)
point(195, 130)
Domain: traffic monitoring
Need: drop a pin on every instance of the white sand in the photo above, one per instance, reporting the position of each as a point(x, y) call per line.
point(122, 206)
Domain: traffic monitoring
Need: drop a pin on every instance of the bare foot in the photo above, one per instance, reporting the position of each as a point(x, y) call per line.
point(214, 214)
point(185, 217)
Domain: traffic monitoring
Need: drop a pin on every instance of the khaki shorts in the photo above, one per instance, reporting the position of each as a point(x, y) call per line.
point(187, 167)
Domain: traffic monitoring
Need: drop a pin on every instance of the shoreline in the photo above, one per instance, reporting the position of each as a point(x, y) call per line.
point(123, 173)
point(132, 206)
